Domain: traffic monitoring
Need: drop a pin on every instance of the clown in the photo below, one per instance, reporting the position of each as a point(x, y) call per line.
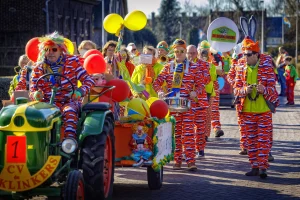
point(258, 98)
point(201, 108)
point(185, 80)
point(163, 50)
point(141, 145)
point(212, 89)
point(54, 58)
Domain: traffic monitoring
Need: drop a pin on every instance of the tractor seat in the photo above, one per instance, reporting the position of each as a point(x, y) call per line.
point(101, 106)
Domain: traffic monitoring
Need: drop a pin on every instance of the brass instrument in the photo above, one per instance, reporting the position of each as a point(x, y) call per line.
point(163, 59)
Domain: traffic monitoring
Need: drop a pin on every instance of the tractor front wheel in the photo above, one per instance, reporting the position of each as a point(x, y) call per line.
point(74, 188)
point(98, 156)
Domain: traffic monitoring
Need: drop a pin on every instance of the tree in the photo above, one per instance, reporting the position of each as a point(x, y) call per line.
point(169, 16)
point(144, 37)
point(194, 36)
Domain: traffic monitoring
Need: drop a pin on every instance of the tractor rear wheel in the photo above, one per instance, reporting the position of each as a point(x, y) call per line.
point(98, 160)
point(74, 188)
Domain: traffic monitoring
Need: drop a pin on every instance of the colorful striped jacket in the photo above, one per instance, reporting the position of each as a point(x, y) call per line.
point(265, 76)
point(72, 69)
point(195, 77)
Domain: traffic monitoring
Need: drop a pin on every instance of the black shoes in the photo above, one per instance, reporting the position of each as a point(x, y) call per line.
point(270, 158)
point(219, 133)
point(243, 152)
point(257, 172)
point(253, 172)
point(263, 173)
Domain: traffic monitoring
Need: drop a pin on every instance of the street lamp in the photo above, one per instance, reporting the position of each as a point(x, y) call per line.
point(262, 27)
point(180, 29)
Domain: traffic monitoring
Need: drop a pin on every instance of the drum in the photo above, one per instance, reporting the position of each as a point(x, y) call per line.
point(178, 104)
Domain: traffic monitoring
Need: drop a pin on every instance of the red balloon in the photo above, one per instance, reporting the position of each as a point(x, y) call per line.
point(159, 109)
point(32, 49)
point(94, 64)
point(121, 91)
point(91, 52)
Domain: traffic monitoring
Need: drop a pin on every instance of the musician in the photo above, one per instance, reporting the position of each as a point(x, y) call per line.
point(201, 111)
point(185, 80)
point(215, 99)
point(163, 50)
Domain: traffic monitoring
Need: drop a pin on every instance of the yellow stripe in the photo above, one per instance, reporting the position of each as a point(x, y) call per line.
point(19, 131)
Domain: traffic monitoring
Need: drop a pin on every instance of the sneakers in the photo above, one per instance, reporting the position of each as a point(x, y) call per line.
point(219, 133)
point(177, 166)
point(253, 172)
point(192, 166)
point(270, 158)
point(138, 164)
point(263, 173)
point(243, 152)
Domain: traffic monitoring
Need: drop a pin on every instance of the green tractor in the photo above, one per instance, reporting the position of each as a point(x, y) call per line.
point(35, 160)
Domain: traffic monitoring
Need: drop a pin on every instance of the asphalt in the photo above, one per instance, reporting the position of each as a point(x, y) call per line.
point(221, 174)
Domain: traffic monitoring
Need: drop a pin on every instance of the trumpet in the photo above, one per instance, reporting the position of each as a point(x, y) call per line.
point(163, 58)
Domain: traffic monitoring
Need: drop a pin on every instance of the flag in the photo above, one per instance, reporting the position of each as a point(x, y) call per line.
point(286, 21)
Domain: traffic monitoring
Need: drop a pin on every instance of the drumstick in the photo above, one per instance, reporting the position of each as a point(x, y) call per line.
point(196, 98)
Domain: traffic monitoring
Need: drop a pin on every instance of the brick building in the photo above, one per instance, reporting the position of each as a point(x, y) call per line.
point(23, 20)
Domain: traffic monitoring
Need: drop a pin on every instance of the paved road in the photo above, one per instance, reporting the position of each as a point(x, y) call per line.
point(221, 172)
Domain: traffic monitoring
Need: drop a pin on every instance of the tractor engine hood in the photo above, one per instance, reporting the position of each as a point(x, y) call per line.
point(32, 116)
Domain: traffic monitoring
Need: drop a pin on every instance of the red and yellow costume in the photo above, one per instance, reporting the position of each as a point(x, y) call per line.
point(254, 110)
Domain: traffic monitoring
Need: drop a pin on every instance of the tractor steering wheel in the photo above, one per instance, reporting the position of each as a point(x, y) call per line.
point(56, 74)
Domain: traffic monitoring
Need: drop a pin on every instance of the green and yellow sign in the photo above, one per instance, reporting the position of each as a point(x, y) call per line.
point(223, 34)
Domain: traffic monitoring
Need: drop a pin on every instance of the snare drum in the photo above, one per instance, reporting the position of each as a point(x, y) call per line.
point(178, 104)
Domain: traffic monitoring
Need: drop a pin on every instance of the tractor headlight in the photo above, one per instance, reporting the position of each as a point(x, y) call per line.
point(69, 145)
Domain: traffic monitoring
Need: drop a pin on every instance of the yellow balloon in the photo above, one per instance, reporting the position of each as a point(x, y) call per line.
point(135, 20)
point(151, 100)
point(138, 109)
point(112, 23)
point(69, 46)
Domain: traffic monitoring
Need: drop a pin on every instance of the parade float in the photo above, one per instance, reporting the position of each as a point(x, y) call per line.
point(36, 160)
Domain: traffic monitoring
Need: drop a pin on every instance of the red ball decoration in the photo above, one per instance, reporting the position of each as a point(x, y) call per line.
point(91, 52)
point(32, 49)
point(159, 109)
point(94, 64)
point(121, 91)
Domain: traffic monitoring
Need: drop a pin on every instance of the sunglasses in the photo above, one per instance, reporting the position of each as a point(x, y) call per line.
point(248, 54)
point(133, 49)
point(179, 51)
point(51, 49)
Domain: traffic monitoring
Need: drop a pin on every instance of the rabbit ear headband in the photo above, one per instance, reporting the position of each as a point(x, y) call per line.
point(249, 28)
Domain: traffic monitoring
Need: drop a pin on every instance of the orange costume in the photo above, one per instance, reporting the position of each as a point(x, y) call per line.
point(256, 108)
point(184, 130)
point(72, 69)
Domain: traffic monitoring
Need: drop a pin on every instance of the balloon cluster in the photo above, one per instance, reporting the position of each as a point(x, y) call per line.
point(139, 109)
point(135, 21)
